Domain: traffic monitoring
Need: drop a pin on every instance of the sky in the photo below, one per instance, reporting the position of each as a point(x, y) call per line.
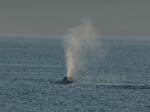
point(54, 17)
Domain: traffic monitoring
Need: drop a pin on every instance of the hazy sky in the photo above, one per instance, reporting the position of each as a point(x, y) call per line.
point(53, 17)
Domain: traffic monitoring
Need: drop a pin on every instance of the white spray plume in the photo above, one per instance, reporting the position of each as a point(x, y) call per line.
point(84, 50)
point(78, 40)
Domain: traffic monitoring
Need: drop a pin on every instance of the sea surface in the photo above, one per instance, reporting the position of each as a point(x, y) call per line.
point(116, 79)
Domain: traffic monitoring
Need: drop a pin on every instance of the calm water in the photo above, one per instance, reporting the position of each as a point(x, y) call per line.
point(28, 66)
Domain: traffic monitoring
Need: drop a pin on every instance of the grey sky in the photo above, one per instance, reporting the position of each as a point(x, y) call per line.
point(53, 17)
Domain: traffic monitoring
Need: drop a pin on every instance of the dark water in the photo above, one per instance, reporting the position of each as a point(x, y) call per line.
point(29, 68)
point(28, 57)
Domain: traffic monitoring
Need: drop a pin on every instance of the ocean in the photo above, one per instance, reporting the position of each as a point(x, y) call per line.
point(116, 80)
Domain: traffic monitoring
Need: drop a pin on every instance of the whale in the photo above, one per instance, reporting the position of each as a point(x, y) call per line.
point(67, 80)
